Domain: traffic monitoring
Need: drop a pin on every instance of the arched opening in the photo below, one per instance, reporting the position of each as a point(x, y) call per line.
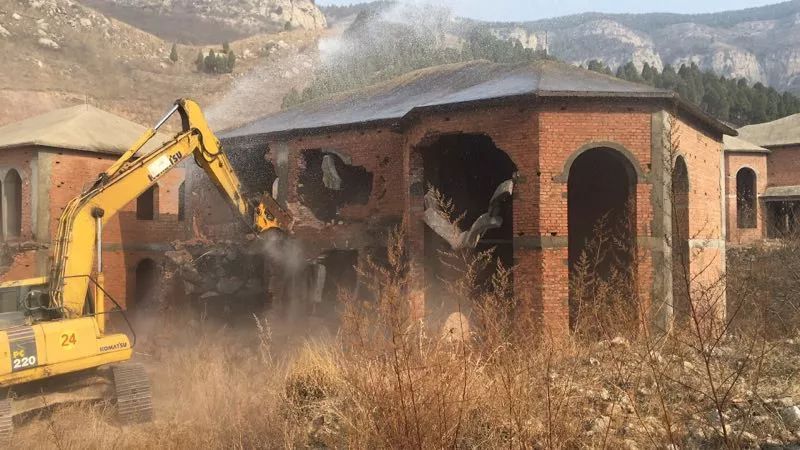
point(467, 170)
point(680, 242)
point(146, 284)
point(182, 201)
point(12, 204)
point(147, 204)
point(601, 205)
point(746, 201)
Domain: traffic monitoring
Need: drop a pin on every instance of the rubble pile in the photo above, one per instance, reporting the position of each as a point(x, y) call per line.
point(219, 272)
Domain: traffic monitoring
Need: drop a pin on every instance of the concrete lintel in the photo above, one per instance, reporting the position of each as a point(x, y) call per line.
point(707, 243)
point(653, 243)
point(541, 242)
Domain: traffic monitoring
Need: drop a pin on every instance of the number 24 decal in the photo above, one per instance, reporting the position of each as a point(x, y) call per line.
point(68, 340)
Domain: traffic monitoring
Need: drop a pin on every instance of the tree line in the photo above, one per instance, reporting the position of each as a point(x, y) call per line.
point(216, 62)
point(732, 100)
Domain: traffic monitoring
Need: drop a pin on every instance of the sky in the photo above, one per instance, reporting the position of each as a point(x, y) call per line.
point(523, 10)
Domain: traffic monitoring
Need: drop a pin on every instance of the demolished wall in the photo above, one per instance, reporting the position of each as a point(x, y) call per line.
point(521, 154)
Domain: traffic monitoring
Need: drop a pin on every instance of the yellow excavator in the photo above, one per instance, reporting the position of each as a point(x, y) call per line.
point(56, 336)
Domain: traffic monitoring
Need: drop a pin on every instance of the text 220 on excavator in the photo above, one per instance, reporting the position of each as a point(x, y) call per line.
point(58, 329)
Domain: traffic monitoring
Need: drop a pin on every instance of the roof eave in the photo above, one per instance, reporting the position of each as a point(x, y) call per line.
point(746, 150)
point(780, 146)
point(292, 133)
point(690, 108)
point(57, 147)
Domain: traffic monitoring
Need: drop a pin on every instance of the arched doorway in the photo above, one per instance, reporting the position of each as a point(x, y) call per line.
point(146, 284)
point(680, 242)
point(746, 203)
point(601, 205)
point(12, 204)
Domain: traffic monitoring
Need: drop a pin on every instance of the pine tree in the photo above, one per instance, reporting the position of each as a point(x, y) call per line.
point(200, 62)
point(210, 62)
point(669, 78)
point(231, 61)
point(629, 72)
point(598, 66)
point(648, 74)
point(173, 54)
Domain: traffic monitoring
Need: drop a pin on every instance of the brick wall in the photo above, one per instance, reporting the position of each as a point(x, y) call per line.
point(783, 166)
point(734, 162)
point(70, 172)
point(378, 150)
point(565, 130)
point(704, 159)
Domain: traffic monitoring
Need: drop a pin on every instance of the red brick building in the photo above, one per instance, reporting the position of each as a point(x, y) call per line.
point(47, 160)
point(766, 180)
point(745, 184)
point(578, 146)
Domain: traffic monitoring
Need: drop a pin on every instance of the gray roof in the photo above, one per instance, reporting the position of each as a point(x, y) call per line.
point(455, 84)
point(781, 192)
point(735, 144)
point(82, 127)
point(784, 131)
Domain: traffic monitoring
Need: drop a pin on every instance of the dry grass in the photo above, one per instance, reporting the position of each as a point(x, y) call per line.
point(389, 381)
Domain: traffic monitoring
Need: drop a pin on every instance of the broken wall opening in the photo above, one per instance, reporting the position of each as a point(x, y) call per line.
point(340, 276)
point(601, 222)
point(253, 168)
point(783, 218)
point(327, 183)
point(680, 242)
point(467, 169)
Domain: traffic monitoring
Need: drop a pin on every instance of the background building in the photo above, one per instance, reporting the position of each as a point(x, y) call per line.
point(47, 160)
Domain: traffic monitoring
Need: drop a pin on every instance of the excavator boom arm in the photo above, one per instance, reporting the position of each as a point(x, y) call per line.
point(82, 221)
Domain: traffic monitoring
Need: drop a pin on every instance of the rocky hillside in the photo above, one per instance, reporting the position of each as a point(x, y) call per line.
point(59, 53)
point(213, 21)
point(761, 44)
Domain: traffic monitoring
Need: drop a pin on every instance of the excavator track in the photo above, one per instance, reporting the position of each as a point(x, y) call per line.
point(6, 422)
point(134, 397)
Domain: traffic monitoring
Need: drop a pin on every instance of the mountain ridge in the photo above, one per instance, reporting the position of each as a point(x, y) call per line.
point(761, 44)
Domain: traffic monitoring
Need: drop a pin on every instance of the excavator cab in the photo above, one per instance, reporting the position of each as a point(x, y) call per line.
point(23, 302)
